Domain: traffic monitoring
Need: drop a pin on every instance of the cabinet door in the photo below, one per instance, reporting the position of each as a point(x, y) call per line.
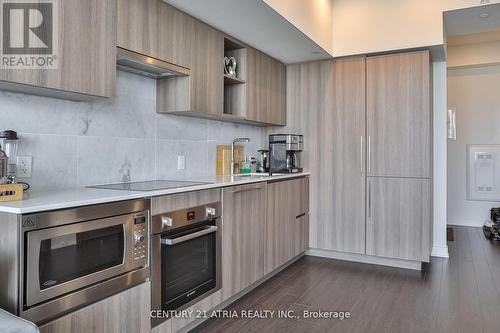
point(301, 234)
point(155, 29)
point(243, 234)
point(276, 110)
point(398, 115)
point(343, 158)
point(266, 89)
point(176, 30)
point(302, 199)
point(138, 23)
point(398, 218)
point(326, 102)
point(86, 53)
point(127, 311)
point(207, 70)
point(282, 211)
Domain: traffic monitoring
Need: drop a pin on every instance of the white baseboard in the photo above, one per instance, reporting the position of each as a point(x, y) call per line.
point(407, 264)
point(440, 251)
point(466, 223)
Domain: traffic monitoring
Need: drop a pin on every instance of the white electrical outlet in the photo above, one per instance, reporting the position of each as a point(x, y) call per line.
point(24, 164)
point(181, 162)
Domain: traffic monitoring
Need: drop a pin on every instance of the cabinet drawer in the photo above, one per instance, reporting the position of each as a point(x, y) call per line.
point(173, 202)
point(127, 311)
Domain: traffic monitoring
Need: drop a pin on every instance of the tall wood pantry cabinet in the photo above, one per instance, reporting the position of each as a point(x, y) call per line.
point(398, 118)
point(367, 125)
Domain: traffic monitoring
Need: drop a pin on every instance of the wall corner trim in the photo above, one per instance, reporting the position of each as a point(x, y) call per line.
point(440, 251)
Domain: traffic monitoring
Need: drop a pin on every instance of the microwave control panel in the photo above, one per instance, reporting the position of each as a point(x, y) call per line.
point(140, 237)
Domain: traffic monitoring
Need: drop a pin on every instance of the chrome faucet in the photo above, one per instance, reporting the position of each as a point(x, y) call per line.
point(233, 162)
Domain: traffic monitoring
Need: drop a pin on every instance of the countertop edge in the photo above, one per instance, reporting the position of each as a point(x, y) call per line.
point(117, 195)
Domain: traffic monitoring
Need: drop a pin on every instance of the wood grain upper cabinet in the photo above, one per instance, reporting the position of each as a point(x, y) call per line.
point(128, 311)
point(207, 70)
point(201, 93)
point(266, 89)
point(243, 236)
point(86, 54)
point(399, 218)
point(155, 29)
point(287, 212)
point(398, 115)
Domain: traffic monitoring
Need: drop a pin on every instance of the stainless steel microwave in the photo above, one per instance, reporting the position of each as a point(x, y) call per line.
point(77, 256)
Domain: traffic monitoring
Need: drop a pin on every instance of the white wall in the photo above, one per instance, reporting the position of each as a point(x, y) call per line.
point(312, 17)
point(474, 92)
point(368, 26)
point(439, 247)
point(473, 54)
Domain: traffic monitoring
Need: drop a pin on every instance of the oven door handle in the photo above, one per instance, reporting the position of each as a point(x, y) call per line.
point(177, 240)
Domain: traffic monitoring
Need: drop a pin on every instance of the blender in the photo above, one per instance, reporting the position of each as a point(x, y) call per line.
point(9, 142)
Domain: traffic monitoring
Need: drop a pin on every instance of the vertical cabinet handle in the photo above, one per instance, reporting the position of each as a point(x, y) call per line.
point(369, 153)
point(369, 199)
point(361, 154)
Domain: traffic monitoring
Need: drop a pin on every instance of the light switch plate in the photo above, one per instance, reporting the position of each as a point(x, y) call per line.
point(181, 162)
point(24, 165)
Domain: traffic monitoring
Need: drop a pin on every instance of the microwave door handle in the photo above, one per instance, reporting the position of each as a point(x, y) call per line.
point(177, 240)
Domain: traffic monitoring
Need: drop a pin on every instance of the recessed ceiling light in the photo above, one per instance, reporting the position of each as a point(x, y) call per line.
point(484, 15)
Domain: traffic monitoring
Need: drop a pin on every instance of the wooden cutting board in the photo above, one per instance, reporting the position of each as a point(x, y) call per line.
point(11, 192)
point(223, 159)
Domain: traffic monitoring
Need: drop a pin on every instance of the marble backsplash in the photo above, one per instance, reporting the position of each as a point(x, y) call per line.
point(118, 139)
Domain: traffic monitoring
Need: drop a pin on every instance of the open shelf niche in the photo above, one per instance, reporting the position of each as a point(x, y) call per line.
point(235, 87)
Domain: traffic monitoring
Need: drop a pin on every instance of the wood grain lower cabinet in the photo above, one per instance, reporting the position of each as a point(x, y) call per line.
point(243, 236)
point(399, 218)
point(284, 220)
point(301, 243)
point(127, 311)
point(86, 54)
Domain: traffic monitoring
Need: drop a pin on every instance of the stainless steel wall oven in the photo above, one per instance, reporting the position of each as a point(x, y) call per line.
point(77, 256)
point(185, 257)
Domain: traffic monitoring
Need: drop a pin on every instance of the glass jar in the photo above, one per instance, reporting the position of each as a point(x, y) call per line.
point(246, 165)
point(3, 166)
point(9, 143)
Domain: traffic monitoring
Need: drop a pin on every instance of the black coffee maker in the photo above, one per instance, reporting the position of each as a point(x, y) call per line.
point(284, 153)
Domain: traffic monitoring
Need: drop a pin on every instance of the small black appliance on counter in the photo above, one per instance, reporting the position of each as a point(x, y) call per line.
point(284, 151)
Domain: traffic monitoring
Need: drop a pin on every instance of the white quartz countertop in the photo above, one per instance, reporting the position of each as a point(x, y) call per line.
point(57, 199)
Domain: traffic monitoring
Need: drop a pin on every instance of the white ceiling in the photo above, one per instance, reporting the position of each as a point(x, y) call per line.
point(255, 23)
point(468, 21)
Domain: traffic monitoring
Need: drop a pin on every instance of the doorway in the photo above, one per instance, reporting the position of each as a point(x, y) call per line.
point(473, 90)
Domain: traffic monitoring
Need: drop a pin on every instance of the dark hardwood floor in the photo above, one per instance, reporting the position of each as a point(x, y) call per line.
point(460, 294)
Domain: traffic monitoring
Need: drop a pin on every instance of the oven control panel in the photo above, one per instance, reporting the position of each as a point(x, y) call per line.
point(140, 237)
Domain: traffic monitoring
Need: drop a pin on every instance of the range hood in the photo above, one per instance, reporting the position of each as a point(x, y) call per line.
point(140, 64)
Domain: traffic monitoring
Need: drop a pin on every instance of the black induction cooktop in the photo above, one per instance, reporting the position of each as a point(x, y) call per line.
point(150, 185)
